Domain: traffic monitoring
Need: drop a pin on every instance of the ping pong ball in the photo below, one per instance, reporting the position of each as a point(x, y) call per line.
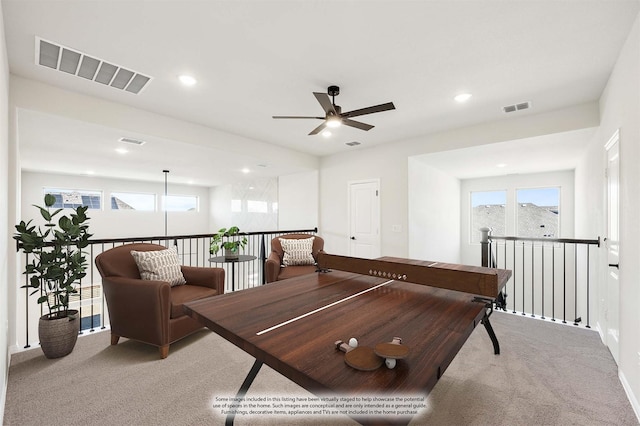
point(353, 342)
point(390, 363)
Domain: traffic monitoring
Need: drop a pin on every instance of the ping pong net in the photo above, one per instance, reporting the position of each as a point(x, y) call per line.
point(481, 281)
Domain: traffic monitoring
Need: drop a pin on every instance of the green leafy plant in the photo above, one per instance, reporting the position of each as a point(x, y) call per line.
point(57, 262)
point(227, 239)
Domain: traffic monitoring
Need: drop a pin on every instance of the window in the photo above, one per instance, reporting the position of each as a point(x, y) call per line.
point(133, 201)
point(488, 210)
point(72, 198)
point(538, 212)
point(180, 203)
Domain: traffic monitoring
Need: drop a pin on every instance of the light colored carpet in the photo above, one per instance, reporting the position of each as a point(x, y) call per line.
point(547, 374)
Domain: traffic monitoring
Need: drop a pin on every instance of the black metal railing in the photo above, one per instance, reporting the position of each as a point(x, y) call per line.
point(551, 277)
point(193, 250)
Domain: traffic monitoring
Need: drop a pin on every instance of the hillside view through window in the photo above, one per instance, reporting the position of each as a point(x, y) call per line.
point(537, 213)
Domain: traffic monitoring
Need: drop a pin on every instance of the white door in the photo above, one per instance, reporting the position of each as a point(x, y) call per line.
point(612, 293)
point(364, 219)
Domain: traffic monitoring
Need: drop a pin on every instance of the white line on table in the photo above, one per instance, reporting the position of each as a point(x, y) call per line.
point(266, 330)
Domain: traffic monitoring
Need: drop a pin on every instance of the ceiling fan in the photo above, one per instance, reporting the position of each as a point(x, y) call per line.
point(334, 116)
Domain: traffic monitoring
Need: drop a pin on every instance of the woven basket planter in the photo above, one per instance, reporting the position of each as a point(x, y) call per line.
point(58, 336)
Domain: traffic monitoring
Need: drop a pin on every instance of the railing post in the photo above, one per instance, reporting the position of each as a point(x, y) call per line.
point(484, 246)
point(263, 258)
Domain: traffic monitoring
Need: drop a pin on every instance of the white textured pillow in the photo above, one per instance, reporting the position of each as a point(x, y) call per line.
point(159, 265)
point(297, 251)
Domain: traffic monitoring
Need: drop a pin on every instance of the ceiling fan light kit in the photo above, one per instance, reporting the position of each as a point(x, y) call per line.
point(334, 117)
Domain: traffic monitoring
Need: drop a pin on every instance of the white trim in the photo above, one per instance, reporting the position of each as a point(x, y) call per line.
point(612, 140)
point(628, 390)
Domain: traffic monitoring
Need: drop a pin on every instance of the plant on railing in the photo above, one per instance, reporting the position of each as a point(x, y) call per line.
point(58, 262)
point(230, 240)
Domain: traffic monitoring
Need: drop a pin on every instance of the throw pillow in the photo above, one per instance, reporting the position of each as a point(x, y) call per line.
point(159, 265)
point(297, 251)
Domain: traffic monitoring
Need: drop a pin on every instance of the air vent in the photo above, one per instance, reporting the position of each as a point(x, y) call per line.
point(354, 143)
point(73, 62)
point(516, 107)
point(132, 141)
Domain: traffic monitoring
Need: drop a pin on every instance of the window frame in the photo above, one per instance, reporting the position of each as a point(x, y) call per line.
point(163, 199)
point(87, 192)
point(516, 231)
point(472, 230)
point(154, 195)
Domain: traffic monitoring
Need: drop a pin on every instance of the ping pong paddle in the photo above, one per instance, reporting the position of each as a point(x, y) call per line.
point(361, 358)
point(391, 351)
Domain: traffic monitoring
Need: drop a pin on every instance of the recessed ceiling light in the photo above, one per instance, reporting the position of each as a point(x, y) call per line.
point(245, 170)
point(121, 151)
point(326, 133)
point(187, 80)
point(462, 97)
point(90, 172)
point(501, 165)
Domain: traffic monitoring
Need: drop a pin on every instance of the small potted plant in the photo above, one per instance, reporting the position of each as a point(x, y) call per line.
point(230, 240)
point(55, 265)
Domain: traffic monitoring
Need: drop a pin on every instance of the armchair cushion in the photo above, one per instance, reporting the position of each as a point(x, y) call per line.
point(159, 265)
point(187, 293)
point(297, 252)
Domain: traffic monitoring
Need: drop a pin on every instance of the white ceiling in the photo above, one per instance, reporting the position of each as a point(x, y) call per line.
point(255, 59)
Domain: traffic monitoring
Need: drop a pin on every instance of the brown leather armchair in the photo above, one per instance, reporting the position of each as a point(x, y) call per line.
point(274, 268)
point(151, 311)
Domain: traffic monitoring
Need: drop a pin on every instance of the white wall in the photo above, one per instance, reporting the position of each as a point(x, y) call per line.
point(620, 109)
point(298, 201)
point(564, 179)
point(389, 163)
point(37, 96)
point(434, 212)
point(107, 223)
point(5, 226)
point(220, 207)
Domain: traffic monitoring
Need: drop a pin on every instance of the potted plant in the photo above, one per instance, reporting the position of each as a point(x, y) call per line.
point(230, 240)
point(54, 267)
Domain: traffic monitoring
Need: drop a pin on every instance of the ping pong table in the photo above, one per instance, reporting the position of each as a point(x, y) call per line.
point(292, 325)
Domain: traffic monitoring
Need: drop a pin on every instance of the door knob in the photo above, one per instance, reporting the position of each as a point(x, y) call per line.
point(353, 238)
point(615, 265)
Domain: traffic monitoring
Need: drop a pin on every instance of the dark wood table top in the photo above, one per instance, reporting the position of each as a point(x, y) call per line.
point(433, 322)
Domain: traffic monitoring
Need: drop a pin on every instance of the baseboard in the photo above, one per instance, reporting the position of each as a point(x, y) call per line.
point(3, 396)
point(630, 394)
point(600, 332)
point(3, 399)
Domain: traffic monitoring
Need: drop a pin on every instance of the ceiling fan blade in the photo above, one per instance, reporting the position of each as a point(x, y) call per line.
point(369, 110)
point(357, 124)
point(295, 116)
point(318, 129)
point(325, 102)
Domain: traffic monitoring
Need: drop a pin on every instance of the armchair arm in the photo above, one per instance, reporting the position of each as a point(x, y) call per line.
point(205, 277)
point(138, 309)
point(272, 267)
point(321, 251)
